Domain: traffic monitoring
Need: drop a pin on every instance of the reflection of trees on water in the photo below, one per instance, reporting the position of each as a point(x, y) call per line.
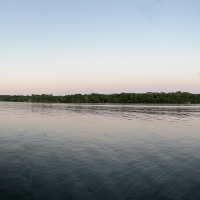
point(41, 108)
point(125, 111)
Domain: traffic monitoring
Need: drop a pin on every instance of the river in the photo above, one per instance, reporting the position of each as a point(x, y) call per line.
point(94, 151)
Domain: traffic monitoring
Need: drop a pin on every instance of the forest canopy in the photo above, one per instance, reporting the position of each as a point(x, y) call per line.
point(149, 97)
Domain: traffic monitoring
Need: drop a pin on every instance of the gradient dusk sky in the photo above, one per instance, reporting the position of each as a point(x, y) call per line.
point(102, 46)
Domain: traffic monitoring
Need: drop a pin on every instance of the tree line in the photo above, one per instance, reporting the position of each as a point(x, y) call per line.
point(149, 97)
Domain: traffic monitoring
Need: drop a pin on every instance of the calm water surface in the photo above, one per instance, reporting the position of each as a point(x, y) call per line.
point(76, 151)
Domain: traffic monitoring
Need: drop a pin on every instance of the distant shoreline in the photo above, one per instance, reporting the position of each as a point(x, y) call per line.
point(128, 98)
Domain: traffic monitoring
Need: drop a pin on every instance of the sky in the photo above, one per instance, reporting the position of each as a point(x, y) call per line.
point(107, 46)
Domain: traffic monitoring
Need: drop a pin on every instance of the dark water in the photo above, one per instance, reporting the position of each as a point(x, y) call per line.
point(57, 151)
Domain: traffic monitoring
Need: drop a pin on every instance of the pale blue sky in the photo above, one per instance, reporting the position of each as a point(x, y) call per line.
point(105, 46)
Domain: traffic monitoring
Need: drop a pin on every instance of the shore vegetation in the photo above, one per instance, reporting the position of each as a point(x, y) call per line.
point(149, 97)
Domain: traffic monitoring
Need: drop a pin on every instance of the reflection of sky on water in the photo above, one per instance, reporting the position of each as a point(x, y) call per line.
point(95, 118)
point(124, 150)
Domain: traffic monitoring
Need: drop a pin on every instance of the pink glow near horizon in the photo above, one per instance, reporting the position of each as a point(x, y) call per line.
point(134, 85)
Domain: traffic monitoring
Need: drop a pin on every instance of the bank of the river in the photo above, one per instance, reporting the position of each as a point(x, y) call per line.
point(149, 97)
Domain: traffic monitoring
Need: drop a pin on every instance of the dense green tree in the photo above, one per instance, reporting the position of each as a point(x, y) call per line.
point(149, 97)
